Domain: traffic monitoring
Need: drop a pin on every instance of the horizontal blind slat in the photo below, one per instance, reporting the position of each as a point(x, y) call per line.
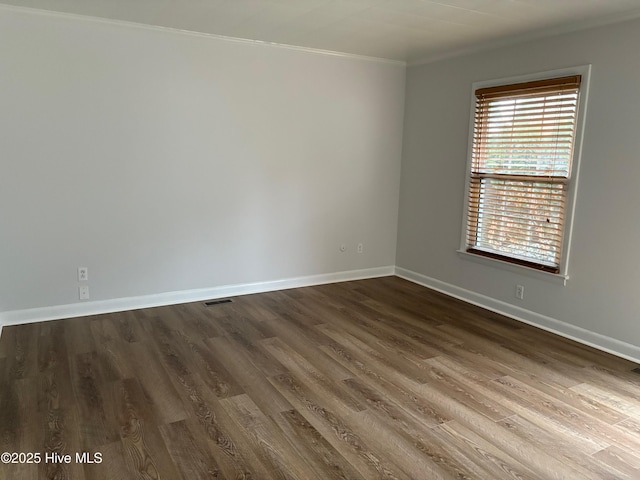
point(534, 88)
point(521, 159)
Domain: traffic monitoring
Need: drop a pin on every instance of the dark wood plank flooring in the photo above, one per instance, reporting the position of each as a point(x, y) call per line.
point(374, 379)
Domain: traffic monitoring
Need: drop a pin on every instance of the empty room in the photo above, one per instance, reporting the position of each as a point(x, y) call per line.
point(319, 239)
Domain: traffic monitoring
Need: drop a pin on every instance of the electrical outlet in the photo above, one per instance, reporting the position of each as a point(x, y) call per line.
point(83, 274)
point(83, 292)
point(360, 248)
point(520, 292)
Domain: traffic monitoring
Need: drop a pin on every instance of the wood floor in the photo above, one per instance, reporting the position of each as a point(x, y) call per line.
point(374, 379)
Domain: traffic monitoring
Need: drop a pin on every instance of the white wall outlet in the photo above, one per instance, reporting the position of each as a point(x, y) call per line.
point(520, 292)
point(83, 292)
point(360, 248)
point(83, 274)
point(343, 248)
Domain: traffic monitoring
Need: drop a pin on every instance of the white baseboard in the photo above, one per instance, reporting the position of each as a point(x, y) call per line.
point(171, 298)
point(580, 335)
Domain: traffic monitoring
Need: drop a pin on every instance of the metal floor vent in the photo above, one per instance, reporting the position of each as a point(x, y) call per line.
point(636, 370)
point(211, 303)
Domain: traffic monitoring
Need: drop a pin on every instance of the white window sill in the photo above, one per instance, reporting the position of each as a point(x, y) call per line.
point(515, 268)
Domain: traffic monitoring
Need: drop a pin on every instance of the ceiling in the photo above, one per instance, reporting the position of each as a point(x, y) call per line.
point(403, 30)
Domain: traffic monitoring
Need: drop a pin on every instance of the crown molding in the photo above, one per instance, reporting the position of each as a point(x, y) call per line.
point(526, 37)
point(191, 33)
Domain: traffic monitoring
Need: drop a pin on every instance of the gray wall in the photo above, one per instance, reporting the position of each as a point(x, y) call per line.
point(167, 162)
point(601, 295)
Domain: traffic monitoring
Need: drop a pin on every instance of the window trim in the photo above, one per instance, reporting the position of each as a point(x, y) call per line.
point(585, 72)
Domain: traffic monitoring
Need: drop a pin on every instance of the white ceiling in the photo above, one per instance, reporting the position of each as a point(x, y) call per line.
point(404, 30)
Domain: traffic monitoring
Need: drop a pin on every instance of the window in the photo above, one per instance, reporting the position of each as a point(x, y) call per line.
point(521, 171)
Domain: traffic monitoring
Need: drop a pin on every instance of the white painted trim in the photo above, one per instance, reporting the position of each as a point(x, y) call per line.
point(580, 335)
point(514, 267)
point(171, 298)
point(585, 72)
point(526, 37)
point(160, 28)
point(432, 58)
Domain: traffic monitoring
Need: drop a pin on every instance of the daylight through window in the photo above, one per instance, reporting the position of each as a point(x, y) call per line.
point(523, 142)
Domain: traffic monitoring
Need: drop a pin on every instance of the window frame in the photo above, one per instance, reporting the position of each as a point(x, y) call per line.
point(572, 188)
